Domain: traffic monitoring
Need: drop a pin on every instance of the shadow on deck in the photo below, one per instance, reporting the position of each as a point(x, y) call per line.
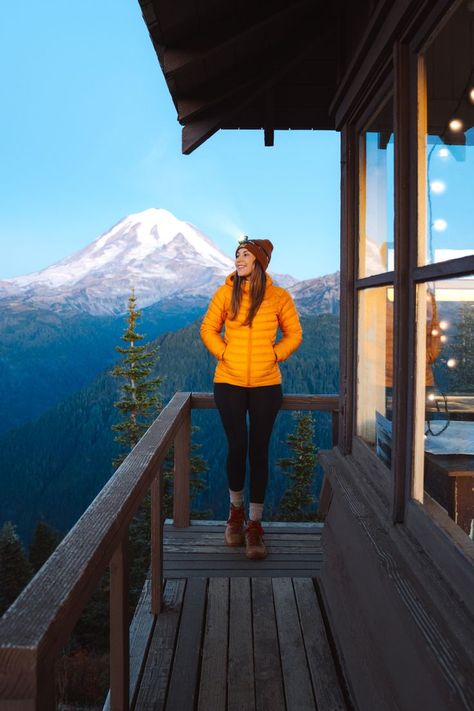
point(234, 633)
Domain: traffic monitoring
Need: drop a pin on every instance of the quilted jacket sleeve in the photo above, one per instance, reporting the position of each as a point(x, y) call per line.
point(292, 333)
point(212, 324)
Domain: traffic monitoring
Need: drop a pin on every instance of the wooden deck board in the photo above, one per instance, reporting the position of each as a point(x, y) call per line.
point(199, 550)
point(239, 634)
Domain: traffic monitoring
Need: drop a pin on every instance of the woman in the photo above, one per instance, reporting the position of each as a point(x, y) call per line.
point(248, 379)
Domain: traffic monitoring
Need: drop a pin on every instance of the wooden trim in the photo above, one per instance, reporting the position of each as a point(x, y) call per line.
point(403, 357)
point(119, 637)
point(373, 52)
point(462, 266)
point(435, 14)
point(374, 470)
point(182, 455)
point(157, 543)
point(347, 270)
point(385, 279)
point(451, 551)
point(415, 455)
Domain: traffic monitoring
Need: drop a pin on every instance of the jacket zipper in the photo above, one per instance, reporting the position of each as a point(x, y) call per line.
point(248, 356)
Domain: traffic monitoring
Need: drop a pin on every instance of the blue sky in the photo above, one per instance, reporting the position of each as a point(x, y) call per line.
point(88, 134)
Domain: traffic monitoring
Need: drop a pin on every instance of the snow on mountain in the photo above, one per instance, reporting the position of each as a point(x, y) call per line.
point(166, 261)
point(152, 251)
point(317, 296)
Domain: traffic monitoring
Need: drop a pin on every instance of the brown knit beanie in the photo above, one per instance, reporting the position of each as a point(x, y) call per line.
point(260, 248)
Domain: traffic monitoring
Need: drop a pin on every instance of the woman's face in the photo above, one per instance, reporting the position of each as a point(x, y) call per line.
point(244, 262)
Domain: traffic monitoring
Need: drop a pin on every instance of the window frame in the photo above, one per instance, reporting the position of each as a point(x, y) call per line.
point(404, 75)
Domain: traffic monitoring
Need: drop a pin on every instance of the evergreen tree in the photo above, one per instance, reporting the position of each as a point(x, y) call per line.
point(300, 470)
point(461, 350)
point(43, 544)
point(15, 570)
point(140, 402)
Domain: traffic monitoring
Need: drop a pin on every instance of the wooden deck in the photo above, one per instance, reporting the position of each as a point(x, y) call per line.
point(236, 634)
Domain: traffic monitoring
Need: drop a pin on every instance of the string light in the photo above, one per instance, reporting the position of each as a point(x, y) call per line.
point(443, 325)
point(456, 125)
point(440, 225)
point(443, 338)
point(471, 96)
point(438, 186)
point(451, 363)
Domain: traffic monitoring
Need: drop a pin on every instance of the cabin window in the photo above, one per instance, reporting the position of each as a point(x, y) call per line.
point(444, 419)
point(375, 299)
point(376, 195)
point(374, 358)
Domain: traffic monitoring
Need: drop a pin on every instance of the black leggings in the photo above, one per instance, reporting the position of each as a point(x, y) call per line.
point(262, 404)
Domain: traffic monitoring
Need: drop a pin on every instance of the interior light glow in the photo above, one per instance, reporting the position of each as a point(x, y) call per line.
point(443, 153)
point(471, 95)
point(443, 338)
point(438, 186)
point(456, 125)
point(451, 363)
point(434, 332)
point(443, 325)
point(431, 397)
point(440, 225)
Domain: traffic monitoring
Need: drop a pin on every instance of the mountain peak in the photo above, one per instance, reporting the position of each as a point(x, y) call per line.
point(152, 251)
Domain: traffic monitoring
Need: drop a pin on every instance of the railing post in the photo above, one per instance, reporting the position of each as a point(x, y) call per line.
point(27, 682)
point(182, 455)
point(157, 543)
point(119, 629)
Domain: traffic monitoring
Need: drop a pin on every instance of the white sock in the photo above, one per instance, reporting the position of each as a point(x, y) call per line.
point(256, 511)
point(236, 497)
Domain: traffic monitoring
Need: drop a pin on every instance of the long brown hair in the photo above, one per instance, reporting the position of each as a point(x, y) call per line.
point(258, 283)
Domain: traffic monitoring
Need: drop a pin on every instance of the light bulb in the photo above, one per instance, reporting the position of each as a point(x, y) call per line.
point(471, 95)
point(456, 125)
point(434, 332)
point(443, 338)
point(443, 325)
point(431, 397)
point(451, 363)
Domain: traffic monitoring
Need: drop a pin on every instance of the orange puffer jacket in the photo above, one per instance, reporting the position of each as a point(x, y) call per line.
point(248, 355)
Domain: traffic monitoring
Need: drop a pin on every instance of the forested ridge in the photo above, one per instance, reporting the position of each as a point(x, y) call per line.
point(56, 465)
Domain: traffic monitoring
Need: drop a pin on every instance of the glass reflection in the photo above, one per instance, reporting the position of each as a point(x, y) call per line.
point(448, 332)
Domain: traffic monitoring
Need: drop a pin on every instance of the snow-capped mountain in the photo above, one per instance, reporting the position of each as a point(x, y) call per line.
point(153, 251)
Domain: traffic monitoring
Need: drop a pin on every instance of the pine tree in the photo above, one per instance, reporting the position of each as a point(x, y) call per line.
point(300, 470)
point(43, 544)
point(15, 570)
point(140, 402)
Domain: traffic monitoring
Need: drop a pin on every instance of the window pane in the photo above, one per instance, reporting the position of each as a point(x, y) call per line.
point(446, 395)
point(376, 195)
point(374, 370)
point(449, 156)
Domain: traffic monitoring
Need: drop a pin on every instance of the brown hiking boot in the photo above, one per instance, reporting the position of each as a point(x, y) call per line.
point(234, 532)
point(255, 547)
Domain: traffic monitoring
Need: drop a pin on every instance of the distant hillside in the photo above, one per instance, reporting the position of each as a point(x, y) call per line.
point(57, 464)
point(46, 355)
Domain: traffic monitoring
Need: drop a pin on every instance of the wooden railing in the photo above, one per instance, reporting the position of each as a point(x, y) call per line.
point(35, 629)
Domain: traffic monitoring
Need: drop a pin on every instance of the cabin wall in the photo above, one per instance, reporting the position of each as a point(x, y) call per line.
point(391, 633)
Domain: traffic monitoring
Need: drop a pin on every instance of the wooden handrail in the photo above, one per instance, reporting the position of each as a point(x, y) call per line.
point(34, 630)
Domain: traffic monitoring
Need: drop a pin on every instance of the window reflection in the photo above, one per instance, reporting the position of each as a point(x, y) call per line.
point(376, 195)
point(375, 370)
point(449, 148)
point(448, 331)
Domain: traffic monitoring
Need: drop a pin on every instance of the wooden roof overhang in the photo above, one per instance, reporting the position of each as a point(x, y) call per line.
point(270, 65)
